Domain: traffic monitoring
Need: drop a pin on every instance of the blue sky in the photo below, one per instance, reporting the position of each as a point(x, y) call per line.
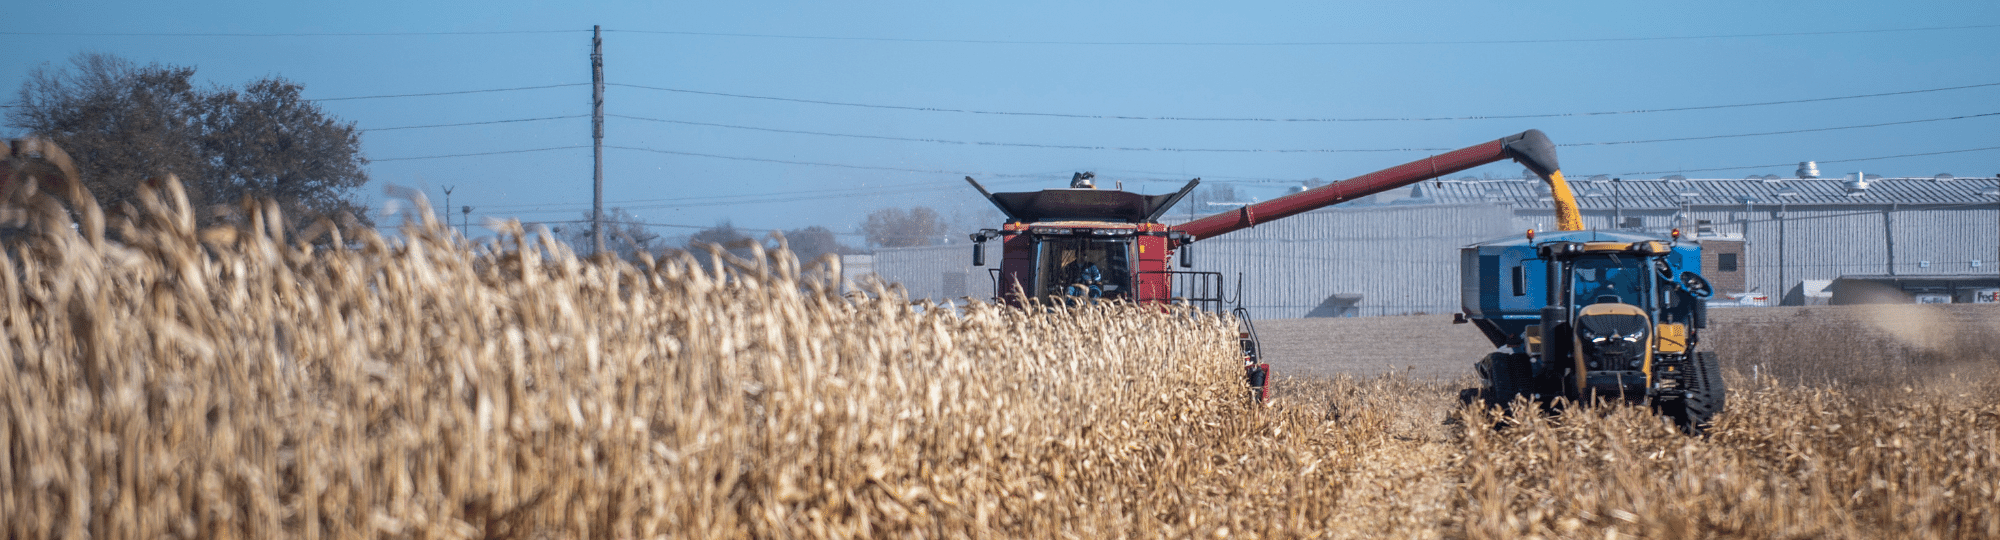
point(1289, 60)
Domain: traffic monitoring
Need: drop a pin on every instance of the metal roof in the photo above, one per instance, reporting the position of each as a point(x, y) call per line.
point(1667, 194)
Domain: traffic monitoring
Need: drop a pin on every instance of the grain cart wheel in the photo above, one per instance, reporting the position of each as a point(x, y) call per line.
point(1706, 395)
point(1510, 376)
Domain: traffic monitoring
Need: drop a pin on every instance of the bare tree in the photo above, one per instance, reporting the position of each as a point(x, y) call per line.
point(124, 123)
point(624, 234)
point(896, 227)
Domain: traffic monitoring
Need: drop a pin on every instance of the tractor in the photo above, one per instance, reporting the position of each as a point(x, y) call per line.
point(1085, 244)
point(1593, 316)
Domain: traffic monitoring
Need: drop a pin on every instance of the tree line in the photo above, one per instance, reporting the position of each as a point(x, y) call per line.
point(126, 123)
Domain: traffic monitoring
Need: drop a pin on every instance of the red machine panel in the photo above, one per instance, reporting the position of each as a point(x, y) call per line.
point(1153, 281)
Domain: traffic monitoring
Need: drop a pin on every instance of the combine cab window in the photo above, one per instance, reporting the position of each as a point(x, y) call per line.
point(1083, 267)
point(1611, 279)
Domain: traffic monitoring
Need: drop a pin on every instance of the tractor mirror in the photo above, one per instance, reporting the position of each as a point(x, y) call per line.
point(1696, 285)
point(1187, 256)
point(979, 254)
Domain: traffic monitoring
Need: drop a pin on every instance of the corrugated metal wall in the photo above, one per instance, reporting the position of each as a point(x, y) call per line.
point(1403, 258)
point(1398, 259)
point(938, 273)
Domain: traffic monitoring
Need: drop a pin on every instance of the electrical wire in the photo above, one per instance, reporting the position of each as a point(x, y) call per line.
point(1308, 43)
point(815, 163)
point(1784, 132)
point(1017, 42)
point(1823, 161)
point(286, 34)
point(480, 123)
point(913, 185)
point(484, 153)
point(1258, 150)
point(1024, 145)
point(453, 93)
point(1252, 119)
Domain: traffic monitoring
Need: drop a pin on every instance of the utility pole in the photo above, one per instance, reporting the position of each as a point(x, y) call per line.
point(465, 224)
point(447, 206)
point(597, 137)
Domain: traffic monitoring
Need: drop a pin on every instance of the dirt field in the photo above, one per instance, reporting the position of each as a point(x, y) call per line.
point(1798, 342)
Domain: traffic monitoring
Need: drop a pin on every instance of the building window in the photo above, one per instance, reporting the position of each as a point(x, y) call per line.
point(1633, 223)
point(1725, 262)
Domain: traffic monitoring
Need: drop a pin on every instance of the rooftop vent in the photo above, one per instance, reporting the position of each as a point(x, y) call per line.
point(1674, 178)
point(1856, 184)
point(1943, 177)
point(1301, 188)
point(1772, 178)
point(1808, 169)
point(1600, 178)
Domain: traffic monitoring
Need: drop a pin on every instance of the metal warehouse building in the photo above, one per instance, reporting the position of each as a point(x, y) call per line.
point(1397, 252)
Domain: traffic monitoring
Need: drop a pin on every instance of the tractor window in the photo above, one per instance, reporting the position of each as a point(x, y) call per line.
point(1084, 267)
point(1520, 281)
point(1609, 280)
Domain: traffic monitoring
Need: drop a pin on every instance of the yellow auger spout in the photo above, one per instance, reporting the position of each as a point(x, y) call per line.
point(1568, 218)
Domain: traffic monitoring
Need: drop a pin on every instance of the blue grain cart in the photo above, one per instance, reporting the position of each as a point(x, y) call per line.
point(1590, 315)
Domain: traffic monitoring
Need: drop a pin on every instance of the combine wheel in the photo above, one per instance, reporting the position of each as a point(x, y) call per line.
point(1510, 375)
point(1706, 395)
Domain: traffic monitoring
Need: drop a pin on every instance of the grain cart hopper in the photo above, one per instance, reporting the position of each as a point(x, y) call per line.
point(1082, 244)
point(1587, 315)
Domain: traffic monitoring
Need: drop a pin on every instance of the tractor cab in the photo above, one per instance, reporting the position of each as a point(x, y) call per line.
point(1625, 308)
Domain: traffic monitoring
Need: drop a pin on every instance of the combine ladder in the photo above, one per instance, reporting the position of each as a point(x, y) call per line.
point(1255, 372)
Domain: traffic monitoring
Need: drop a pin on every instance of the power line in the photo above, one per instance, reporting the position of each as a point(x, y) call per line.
point(815, 163)
point(1253, 119)
point(784, 197)
point(914, 185)
point(1788, 164)
point(1024, 145)
point(479, 123)
point(1707, 137)
point(483, 153)
point(453, 93)
point(1257, 150)
point(1307, 43)
point(285, 34)
point(1016, 42)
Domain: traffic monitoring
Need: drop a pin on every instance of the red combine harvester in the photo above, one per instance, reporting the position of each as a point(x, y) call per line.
point(1083, 244)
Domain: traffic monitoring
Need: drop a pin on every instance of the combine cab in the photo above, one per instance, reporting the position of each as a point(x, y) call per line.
point(1592, 316)
point(1084, 244)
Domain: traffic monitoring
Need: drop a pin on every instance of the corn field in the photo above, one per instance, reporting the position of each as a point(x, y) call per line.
point(164, 381)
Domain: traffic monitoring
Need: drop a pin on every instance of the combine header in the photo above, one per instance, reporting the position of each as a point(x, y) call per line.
point(1083, 244)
